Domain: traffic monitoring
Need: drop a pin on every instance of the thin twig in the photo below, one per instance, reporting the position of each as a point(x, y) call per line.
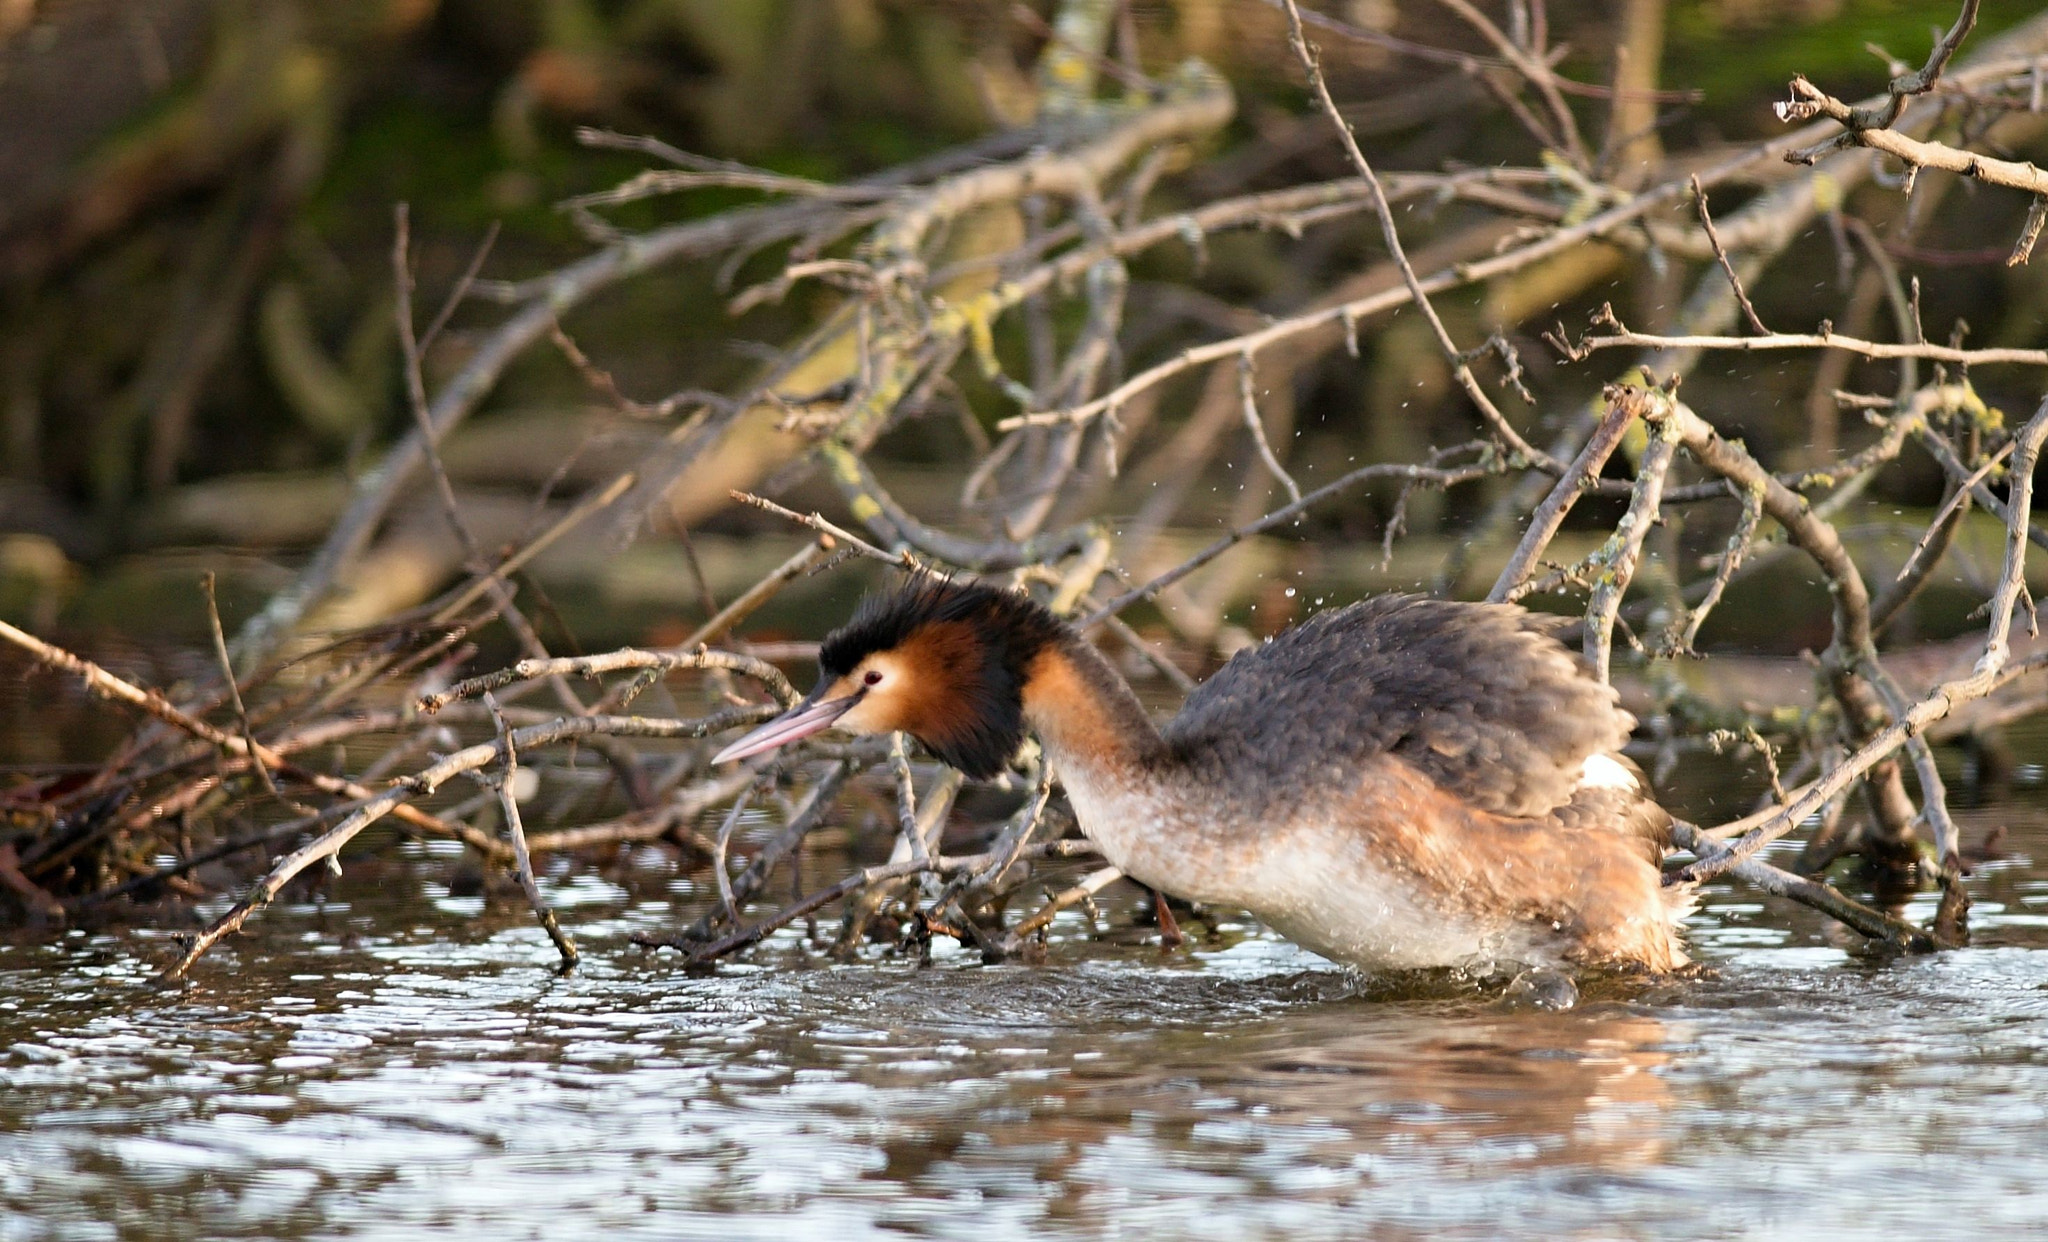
point(727, 902)
point(1257, 426)
point(461, 289)
point(1932, 545)
point(1617, 559)
point(1699, 201)
point(1739, 541)
point(1433, 476)
point(416, 385)
point(515, 827)
point(906, 798)
point(611, 662)
point(832, 531)
point(1495, 421)
point(227, 672)
point(1089, 885)
point(1621, 337)
point(1550, 515)
point(817, 803)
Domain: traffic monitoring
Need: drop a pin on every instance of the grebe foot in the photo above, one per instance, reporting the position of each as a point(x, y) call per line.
point(1541, 988)
point(1171, 937)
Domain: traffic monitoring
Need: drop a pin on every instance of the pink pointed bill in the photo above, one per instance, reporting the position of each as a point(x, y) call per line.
point(801, 721)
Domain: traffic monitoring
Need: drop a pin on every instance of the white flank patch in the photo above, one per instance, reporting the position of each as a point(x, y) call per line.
point(1603, 772)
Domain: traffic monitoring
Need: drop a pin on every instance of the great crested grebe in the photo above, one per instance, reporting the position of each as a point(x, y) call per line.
point(1397, 784)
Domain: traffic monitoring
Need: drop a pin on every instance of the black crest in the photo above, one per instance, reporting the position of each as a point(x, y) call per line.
point(972, 645)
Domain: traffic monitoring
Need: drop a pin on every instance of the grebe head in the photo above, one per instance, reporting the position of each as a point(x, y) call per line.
point(941, 660)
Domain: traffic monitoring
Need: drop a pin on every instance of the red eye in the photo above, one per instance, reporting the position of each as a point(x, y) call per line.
point(873, 678)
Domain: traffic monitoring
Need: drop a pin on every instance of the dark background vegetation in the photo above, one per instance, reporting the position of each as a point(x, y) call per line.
point(196, 330)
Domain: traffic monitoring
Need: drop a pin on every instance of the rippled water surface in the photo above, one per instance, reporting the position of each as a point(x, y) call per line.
point(393, 1067)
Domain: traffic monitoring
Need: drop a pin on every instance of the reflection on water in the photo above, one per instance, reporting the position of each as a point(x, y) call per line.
point(388, 1068)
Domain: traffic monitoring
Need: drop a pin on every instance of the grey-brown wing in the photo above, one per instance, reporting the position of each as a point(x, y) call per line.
point(1629, 812)
point(1479, 697)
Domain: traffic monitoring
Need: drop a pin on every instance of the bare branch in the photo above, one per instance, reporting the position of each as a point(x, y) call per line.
point(1993, 669)
point(1550, 515)
point(1699, 200)
point(1617, 559)
point(1257, 426)
point(1622, 337)
point(515, 827)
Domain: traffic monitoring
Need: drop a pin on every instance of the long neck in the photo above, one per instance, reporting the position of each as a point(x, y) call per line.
point(1119, 775)
point(1084, 713)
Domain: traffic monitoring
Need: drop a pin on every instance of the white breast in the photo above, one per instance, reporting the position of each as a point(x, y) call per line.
point(1149, 835)
point(1316, 886)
